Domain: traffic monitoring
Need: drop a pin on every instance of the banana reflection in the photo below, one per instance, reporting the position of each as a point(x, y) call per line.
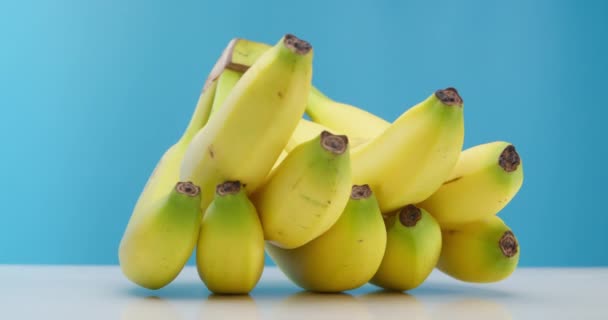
point(388, 305)
point(149, 308)
point(315, 306)
point(229, 307)
point(472, 309)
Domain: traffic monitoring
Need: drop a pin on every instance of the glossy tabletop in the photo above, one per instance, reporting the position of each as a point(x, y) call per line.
point(91, 292)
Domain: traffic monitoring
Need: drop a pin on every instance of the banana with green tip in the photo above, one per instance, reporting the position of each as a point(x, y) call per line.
point(230, 250)
point(160, 237)
point(484, 180)
point(413, 246)
point(483, 251)
point(343, 258)
point(307, 130)
point(414, 156)
point(244, 138)
point(306, 193)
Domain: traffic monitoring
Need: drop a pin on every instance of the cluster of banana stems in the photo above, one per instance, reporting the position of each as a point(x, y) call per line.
point(343, 199)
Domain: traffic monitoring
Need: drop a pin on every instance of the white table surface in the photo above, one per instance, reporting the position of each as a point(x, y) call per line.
point(92, 292)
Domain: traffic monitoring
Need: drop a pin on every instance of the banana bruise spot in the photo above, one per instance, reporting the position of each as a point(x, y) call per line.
point(335, 144)
point(296, 45)
point(509, 159)
point(360, 192)
point(508, 244)
point(228, 187)
point(410, 215)
point(449, 97)
point(187, 188)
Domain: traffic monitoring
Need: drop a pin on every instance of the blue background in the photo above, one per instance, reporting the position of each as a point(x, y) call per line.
point(93, 92)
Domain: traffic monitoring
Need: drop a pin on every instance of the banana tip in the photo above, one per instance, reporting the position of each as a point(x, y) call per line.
point(410, 215)
point(296, 45)
point(508, 244)
point(188, 188)
point(509, 159)
point(335, 144)
point(228, 187)
point(449, 96)
point(360, 192)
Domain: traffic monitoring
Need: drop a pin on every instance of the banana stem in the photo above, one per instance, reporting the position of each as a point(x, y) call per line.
point(360, 192)
point(449, 97)
point(228, 188)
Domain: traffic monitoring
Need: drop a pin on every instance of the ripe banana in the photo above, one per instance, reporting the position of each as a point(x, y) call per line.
point(161, 236)
point(230, 250)
point(245, 137)
point(485, 178)
point(305, 195)
point(359, 125)
point(414, 156)
point(225, 83)
point(343, 258)
point(481, 251)
point(412, 249)
point(342, 117)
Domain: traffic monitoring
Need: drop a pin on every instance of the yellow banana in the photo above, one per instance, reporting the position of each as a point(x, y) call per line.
point(343, 258)
point(415, 155)
point(342, 117)
point(359, 125)
point(226, 81)
point(246, 135)
point(412, 249)
point(482, 251)
point(485, 178)
point(230, 250)
point(161, 237)
point(305, 195)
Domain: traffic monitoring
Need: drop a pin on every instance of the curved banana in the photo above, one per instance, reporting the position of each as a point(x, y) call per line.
point(343, 258)
point(359, 125)
point(342, 117)
point(412, 249)
point(225, 83)
point(230, 250)
point(305, 195)
point(484, 180)
point(482, 251)
point(245, 137)
point(415, 155)
point(160, 237)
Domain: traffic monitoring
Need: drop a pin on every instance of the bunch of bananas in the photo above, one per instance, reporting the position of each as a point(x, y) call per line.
point(345, 199)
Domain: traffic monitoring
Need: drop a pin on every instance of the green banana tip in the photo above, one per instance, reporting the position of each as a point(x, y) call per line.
point(336, 144)
point(410, 215)
point(296, 45)
point(360, 192)
point(188, 188)
point(449, 96)
point(228, 187)
point(509, 159)
point(508, 244)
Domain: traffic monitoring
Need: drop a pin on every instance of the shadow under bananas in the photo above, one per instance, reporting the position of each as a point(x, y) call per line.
point(182, 291)
point(319, 306)
point(229, 307)
point(386, 305)
point(472, 309)
point(461, 289)
point(149, 308)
